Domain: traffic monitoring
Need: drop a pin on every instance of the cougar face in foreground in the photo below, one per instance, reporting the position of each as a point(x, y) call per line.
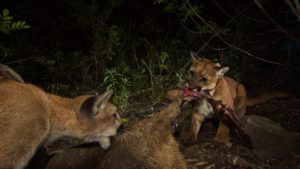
point(147, 143)
point(30, 117)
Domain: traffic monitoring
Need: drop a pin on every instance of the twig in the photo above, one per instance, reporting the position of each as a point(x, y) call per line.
point(151, 76)
point(231, 20)
point(298, 7)
point(221, 8)
point(274, 22)
point(295, 9)
point(227, 43)
point(248, 17)
point(18, 61)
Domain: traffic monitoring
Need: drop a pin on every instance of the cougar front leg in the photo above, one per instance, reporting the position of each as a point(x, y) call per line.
point(191, 133)
point(223, 134)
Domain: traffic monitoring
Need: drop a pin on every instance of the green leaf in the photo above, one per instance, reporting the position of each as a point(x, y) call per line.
point(27, 26)
point(18, 24)
point(7, 18)
point(4, 22)
point(5, 12)
point(13, 25)
point(4, 30)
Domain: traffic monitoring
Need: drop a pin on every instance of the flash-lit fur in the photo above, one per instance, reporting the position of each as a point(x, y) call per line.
point(207, 75)
point(225, 89)
point(30, 117)
point(146, 144)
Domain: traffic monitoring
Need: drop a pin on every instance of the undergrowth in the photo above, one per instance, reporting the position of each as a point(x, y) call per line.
point(93, 46)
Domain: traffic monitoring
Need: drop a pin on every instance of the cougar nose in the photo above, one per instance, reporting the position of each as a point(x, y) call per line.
point(121, 129)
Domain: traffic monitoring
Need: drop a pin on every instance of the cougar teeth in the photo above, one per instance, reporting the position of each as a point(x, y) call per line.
point(197, 89)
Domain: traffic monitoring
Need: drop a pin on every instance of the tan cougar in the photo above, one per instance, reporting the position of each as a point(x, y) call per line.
point(30, 117)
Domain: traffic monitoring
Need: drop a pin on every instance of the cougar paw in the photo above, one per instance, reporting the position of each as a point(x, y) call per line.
point(223, 141)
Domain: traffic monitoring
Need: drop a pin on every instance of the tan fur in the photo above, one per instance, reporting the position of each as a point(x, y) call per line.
point(265, 97)
point(146, 144)
point(30, 117)
point(206, 75)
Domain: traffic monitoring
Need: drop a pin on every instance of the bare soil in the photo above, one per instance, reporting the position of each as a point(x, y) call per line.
point(207, 154)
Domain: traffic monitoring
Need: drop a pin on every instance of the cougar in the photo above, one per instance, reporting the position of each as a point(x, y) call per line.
point(31, 117)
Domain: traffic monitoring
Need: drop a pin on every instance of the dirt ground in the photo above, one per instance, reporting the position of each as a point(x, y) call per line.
point(206, 154)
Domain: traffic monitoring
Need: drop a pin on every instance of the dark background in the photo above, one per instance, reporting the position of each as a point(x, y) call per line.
point(141, 48)
point(75, 46)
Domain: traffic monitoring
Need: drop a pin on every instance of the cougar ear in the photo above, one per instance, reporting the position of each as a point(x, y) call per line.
point(222, 71)
point(194, 56)
point(218, 64)
point(95, 104)
point(101, 102)
point(10, 74)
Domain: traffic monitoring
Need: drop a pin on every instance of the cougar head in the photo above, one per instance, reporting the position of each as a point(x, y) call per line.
point(99, 118)
point(204, 74)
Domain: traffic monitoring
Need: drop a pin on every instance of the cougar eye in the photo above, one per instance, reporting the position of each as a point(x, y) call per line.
point(191, 73)
point(115, 116)
point(203, 79)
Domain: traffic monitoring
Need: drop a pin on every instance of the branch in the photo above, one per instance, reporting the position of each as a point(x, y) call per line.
point(295, 9)
point(298, 8)
point(20, 60)
point(241, 13)
point(227, 43)
point(274, 22)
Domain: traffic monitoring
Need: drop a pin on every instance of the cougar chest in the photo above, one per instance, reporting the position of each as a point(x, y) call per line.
point(205, 108)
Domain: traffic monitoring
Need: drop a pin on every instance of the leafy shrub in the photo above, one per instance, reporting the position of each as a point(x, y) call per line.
point(119, 82)
point(7, 25)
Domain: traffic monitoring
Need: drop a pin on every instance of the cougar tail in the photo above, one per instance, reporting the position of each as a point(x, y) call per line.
point(7, 73)
point(265, 97)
